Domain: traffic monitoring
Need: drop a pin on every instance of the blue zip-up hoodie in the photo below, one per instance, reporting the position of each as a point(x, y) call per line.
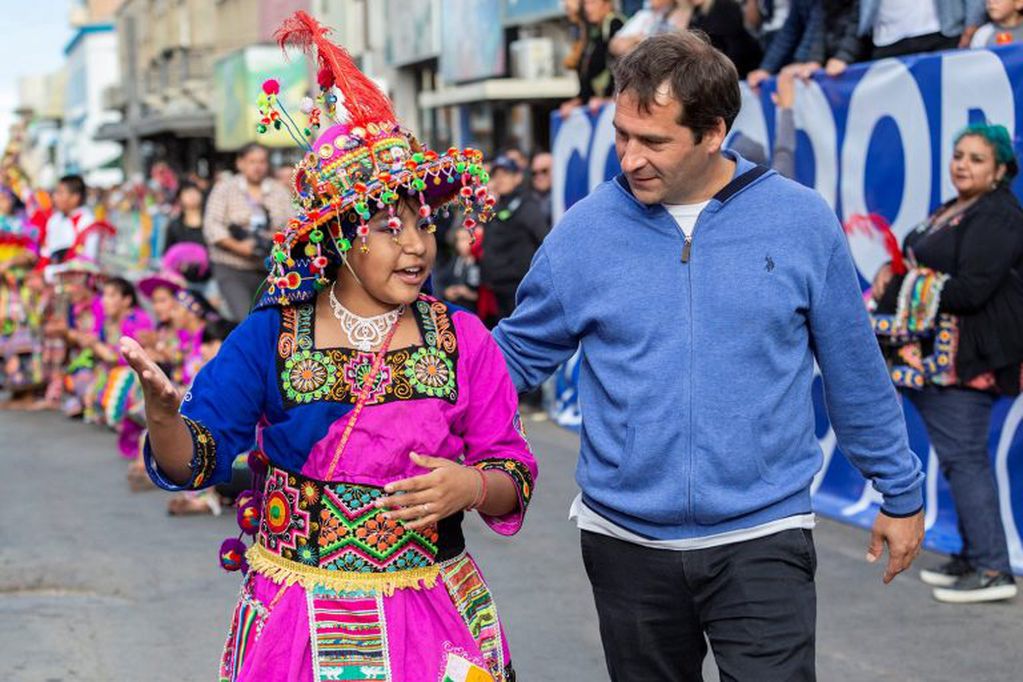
point(696, 373)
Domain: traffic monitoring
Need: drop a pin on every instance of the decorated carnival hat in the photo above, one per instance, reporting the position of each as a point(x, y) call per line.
point(168, 279)
point(361, 163)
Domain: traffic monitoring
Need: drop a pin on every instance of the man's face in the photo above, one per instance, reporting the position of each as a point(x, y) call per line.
point(254, 166)
point(540, 172)
point(596, 10)
point(503, 182)
point(660, 158)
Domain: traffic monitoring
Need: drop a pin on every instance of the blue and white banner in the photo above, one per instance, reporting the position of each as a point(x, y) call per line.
point(876, 140)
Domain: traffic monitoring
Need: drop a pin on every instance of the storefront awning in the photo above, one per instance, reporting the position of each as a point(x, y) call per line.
point(501, 89)
point(191, 124)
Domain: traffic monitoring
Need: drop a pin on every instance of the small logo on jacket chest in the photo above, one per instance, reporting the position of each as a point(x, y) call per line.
point(768, 264)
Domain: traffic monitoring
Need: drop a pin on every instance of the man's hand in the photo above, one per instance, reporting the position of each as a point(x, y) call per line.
point(903, 537)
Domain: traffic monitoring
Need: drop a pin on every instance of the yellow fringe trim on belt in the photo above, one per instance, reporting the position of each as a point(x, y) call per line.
point(285, 572)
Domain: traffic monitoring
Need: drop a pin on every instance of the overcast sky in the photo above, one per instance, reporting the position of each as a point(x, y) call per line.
point(34, 34)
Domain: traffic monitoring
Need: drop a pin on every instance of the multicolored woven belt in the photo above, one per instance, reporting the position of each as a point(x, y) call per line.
point(331, 534)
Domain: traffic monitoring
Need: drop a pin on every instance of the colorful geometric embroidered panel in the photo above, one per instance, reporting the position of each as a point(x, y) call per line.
point(348, 635)
point(335, 526)
point(308, 374)
point(459, 669)
point(519, 473)
point(246, 626)
point(472, 598)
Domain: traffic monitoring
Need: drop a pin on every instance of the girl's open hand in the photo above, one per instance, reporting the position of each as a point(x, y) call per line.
point(424, 500)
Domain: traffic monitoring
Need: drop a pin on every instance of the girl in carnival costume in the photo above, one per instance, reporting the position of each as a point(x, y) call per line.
point(116, 390)
point(359, 569)
point(21, 300)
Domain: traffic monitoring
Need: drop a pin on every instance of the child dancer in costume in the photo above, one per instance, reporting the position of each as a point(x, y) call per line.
point(116, 390)
point(385, 415)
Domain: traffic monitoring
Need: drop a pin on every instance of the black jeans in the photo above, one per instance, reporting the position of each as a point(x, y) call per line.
point(932, 42)
point(958, 422)
point(755, 601)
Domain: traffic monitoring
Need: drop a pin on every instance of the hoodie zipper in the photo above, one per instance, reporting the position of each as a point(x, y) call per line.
point(687, 254)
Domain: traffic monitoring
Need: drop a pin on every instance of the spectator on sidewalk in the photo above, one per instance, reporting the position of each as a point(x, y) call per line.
point(766, 17)
point(952, 326)
point(722, 21)
point(661, 16)
point(903, 27)
point(242, 212)
point(540, 169)
point(187, 228)
point(459, 279)
point(794, 42)
point(70, 218)
point(596, 84)
point(512, 236)
point(1005, 27)
point(834, 43)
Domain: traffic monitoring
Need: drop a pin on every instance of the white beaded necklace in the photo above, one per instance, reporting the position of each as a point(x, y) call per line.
point(365, 333)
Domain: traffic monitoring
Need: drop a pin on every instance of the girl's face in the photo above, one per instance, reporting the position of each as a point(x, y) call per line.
point(394, 267)
point(114, 304)
point(1001, 11)
point(6, 204)
point(190, 199)
point(974, 168)
point(209, 350)
point(164, 304)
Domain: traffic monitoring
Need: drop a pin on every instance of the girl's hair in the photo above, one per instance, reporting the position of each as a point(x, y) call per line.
point(186, 185)
point(997, 136)
point(125, 288)
point(217, 330)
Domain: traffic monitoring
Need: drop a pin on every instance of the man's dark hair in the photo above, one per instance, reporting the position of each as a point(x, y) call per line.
point(700, 78)
point(251, 147)
point(125, 288)
point(74, 184)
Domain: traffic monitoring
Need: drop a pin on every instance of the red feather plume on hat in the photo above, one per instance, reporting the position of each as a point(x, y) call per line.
point(363, 100)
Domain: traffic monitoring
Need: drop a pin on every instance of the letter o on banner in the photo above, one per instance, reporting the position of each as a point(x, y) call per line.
point(887, 89)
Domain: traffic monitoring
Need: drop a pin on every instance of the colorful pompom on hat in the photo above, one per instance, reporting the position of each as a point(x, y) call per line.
point(365, 163)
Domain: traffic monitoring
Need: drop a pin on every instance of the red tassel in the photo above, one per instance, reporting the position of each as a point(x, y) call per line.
point(364, 101)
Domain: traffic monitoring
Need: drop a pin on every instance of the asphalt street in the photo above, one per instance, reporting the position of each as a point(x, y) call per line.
point(97, 583)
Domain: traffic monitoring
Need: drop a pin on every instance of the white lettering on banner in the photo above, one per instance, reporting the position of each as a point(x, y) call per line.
point(887, 89)
point(573, 138)
point(814, 117)
point(751, 120)
point(974, 79)
point(603, 138)
point(1009, 428)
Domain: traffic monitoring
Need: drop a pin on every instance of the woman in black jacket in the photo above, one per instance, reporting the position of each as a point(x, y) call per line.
point(952, 327)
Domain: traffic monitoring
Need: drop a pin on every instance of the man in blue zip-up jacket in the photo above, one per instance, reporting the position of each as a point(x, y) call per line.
point(700, 289)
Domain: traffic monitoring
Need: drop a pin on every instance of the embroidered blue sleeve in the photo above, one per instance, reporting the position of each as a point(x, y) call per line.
point(224, 403)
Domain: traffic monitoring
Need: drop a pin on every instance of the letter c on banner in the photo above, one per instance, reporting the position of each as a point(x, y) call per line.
point(887, 89)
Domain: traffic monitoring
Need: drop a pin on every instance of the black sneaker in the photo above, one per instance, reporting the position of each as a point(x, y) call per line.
point(978, 587)
point(948, 573)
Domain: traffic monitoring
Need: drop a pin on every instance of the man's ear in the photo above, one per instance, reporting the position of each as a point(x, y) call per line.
point(714, 138)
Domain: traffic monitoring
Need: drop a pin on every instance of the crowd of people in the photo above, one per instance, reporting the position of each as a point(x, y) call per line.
point(785, 38)
point(64, 305)
point(352, 272)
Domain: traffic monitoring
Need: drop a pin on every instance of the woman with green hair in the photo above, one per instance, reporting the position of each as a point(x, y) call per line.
point(949, 314)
